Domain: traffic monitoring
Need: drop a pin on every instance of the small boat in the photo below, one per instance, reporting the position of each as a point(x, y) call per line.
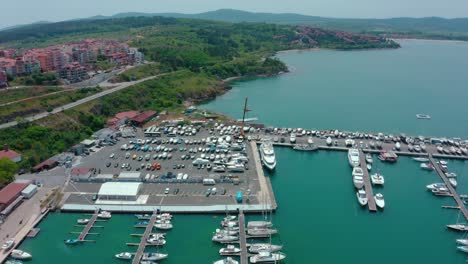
point(451, 174)
point(261, 231)
point(421, 159)
point(358, 177)
point(427, 166)
point(435, 186)
point(229, 223)
point(19, 254)
point(441, 191)
point(124, 255)
point(369, 167)
point(443, 162)
point(453, 182)
point(329, 141)
point(163, 216)
point(463, 248)
point(267, 257)
point(227, 260)
point(72, 241)
point(163, 226)
point(259, 224)
point(410, 148)
point(227, 232)
point(372, 144)
point(262, 247)
point(223, 238)
point(353, 157)
point(379, 200)
point(143, 217)
point(397, 146)
point(153, 256)
point(82, 221)
point(142, 223)
point(423, 116)
point(350, 143)
point(458, 227)
point(229, 250)
point(104, 215)
point(369, 158)
point(362, 197)
point(13, 261)
point(463, 242)
point(156, 241)
point(229, 218)
point(8, 244)
point(377, 179)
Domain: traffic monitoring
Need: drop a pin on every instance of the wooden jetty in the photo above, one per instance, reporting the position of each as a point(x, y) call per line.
point(88, 226)
point(452, 190)
point(367, 183)
point(242, 239)
point(144, 238)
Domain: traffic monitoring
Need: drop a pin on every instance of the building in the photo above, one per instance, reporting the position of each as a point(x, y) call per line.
point(29, 191)
point(119, 191)
point(80, 173)
point(73, 72)
point(46, 165)
point(143, 117)
point(10, 154)
point(10, 193)
point(3, 79)
point(121, 118)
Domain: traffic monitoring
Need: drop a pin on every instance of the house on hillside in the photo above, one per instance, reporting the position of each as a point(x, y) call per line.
point(10, 154)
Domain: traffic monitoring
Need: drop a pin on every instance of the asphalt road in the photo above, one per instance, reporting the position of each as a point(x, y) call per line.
point(80, 102)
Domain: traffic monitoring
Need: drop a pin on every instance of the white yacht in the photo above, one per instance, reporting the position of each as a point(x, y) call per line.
point(358, 177)
point(227, 260)
point(362, 197)
point(353, 157)
point(267, 154)
point(8, 244)
point(104, 215)
point(463, 242)
point(229, 250)
point(153, 256)
point(329, 141)
point(19, 254)
point(224, 238)
point(435, 186)
point(292, 138)
point(377, 179)
point(453, 182)
point(267, 257)
point(259, 224)
point(163, 226)
point(124, 255)
point(369, 158)
point(263, 247)
point(379, 200)
point(458, 227)
point(82, 221)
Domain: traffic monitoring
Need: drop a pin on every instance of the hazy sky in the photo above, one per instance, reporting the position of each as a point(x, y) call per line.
point(28, 11)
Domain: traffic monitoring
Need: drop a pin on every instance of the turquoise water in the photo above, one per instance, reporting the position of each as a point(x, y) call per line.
point(376, 90)
point(318, 217)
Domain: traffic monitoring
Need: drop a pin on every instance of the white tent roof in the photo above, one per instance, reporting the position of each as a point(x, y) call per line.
point(120, 188)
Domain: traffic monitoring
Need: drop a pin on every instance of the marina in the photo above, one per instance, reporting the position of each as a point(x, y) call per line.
point(88, 226)
point(367, 184)
point(144, 238)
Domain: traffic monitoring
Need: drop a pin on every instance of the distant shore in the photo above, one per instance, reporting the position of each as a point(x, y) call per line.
point(297, 50)
point(429, 40)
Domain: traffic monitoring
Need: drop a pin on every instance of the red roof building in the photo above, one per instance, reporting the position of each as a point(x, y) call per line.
point(128, 114)
point(10, 154)
point(46, 165)
point(10, 192)
point(143, 117)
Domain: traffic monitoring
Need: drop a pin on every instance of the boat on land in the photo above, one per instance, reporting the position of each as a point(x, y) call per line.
point(369, 158)
point(292, 138)
point(379, 200)
point(262, 257)
point(104, 215)
point(458, 227)
point(153, 256)
point(435, 186)
point(124, 255)
point(423, 116)
point(353, 157)
point(397, 146)
point(83, 221)
point(362, 197)
point(259, 224)
point(305, 147)
point(19, 254)
point(329, 141)
point(8, 244)
point(227, 260)
point(267, 154)
point(421, 159)
point(377, 179)
point(229, 250)
point(264, 247)
point(310, 141)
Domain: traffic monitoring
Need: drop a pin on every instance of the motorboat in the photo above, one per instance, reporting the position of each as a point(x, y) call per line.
point(442, 191)
point(463, 242)
point(388, 156)
point(305, 147)
point(369, 159)
point(8, 244)
point(267, 257)
point(453, 182)
point(451, 174)
point(369, 167)
point(143, 217)
point(83, 221)
point(329, 141)
point(19, 254)
point(227, 260)
point(463, 248)
point(104, 215)
point(259, 224)
point(229, 250)
point(423, 116)
point(124, 255)
point(358, 178)
point(228, 232)
point(443, 162)
point(263, 247)
point(229, 218)
point(377, 179)
point(353, 157)
point(458, 227)
point(229, 223)
point(156, 241)
point(13, 261)
point(158, 235)
point(162, 216)
point(362, 197)
point(379, 200)
point(421, 159)
point(72, 241)
point(261, 231)
point(435, 186)
point(427, 166)
point(292, 138)
point(440, 149)
point(163, 226)
point(153, 256)
point(224, 238)
point(267, 154)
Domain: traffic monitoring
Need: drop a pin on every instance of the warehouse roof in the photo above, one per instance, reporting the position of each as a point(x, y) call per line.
point(120, 188)
point(11, 191)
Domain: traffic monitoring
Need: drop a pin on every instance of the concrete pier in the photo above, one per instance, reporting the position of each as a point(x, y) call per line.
point(88, 226)
point(243, 239)
point(367, 183)
point(144, 238)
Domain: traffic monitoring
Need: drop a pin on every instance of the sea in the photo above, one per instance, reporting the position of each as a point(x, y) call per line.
point(318, 217)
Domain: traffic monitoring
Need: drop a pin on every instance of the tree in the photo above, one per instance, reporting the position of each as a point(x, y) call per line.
point(7, 170)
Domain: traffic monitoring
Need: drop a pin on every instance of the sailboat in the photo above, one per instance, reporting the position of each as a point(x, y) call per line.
point(458, 226)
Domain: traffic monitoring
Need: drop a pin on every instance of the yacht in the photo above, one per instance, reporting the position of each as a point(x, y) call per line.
point(441, 191)
point(162, 216)
point(377, 179)
point(229, 250)
point(228, 232)
point(163, 226)
point(353, 157)
point(435, 186)
point(463, 242)
point(292, 138)
point(267, 154)
point(362, 197)
point(261, 231)
point(463, 248)
point(421, 159)
point(156, 241)
point(358, 177)
point(369, 158)
point(263, 247)
point(426, 166)
point(82, 221)
point(153, 256)
point(379, 200)
point(124, 255)
point(8, 244)
point(423, 116)
point(453, 182)
point(267, 257)
point(104, 215)
point(19, 254)
point(224, 238)
point(259, 224)
point(227, 260)
point(458, 227)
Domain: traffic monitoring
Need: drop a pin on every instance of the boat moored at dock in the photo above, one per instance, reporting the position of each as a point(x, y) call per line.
point(362, 197)
point(264, 247)
point(267, 257)
point(8, 244)
point(353, 157)
point(153, 256)
point(227, 260)
point(19, 254)
point(458, 227)
point(379, 200)
point(267, 154)
point(229, 250)
point(377, 179)
point(124, 255)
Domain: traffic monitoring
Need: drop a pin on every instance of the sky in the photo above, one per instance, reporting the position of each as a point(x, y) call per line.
point(29, 11)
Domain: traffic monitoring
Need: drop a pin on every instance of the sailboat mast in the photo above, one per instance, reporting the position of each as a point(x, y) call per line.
point(243, 117)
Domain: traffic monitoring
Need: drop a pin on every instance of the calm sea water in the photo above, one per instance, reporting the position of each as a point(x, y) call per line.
point(319, 218)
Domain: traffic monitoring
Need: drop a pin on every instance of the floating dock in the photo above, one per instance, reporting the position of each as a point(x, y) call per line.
point(144, 238)
point(88, 226)
point(242, 239)
point(452, 190)
point(367, 183)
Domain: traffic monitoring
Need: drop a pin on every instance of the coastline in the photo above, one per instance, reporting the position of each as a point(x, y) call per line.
point(429, 40)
